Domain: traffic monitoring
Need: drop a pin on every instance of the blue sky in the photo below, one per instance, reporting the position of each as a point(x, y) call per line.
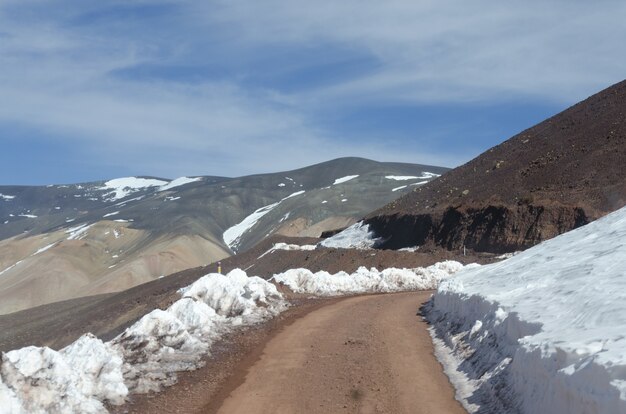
point(94, 90)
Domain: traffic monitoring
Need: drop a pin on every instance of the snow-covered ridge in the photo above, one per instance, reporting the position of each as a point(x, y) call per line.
point(232, 235)
point(357, 236)
point(89, 373)
point(122, 187)
point(368, 281)
point(543, 331)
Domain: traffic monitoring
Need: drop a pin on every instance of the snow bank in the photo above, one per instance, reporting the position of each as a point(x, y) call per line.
point(178, 182)
point(79, 378)
point(122, 187)
point(345, 179)
point(364, 280)
point(357, 236)
point(544, 331)
point(145, 357)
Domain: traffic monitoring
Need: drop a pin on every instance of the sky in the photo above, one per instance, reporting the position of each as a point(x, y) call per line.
point(93, 90)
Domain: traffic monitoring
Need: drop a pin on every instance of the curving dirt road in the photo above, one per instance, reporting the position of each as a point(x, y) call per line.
point(366, 354)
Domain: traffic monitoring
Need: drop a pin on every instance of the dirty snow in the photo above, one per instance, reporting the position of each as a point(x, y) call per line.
point(178, 182)
point(543, 331)
point(286, 246)
point(78, 232)
point(345, 179)
point(364, 280)
point(145, 357)
point(43, 249)
point(122, 187)
point(357, 236)
point(232, 235)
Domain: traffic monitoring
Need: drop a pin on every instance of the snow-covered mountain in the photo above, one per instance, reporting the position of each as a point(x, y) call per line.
point(543, 331)
point(65, 241)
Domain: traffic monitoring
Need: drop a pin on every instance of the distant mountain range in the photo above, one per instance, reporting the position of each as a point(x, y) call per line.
point(65, 241)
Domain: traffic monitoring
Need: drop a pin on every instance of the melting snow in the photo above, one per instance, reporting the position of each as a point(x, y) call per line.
point(11, 267)
point(357, 236)
point(76, 233)
point(401, 177)
point(6, 197)
point(122, 187)
point(111, 214)
point(232, 236)
point(345, 179)
point(43, 249)
point(27, 215)
point(178, 182)
point(145, 357)
point(399, 188)
point(281, 184)
point(285, 246)
point(543, 331)
point(364, 280)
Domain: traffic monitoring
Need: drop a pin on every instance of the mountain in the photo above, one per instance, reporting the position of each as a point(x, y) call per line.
point(66, 241)
point(556, 176)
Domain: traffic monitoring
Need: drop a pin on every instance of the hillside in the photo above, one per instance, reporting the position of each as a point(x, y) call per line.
point(65, 241)
point(551, 178)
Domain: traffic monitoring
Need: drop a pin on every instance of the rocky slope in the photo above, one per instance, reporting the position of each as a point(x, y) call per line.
point(551, 178)
point(65, 241)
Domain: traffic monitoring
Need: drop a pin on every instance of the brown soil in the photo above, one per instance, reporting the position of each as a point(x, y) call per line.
point(365, 354)
point(551, 178)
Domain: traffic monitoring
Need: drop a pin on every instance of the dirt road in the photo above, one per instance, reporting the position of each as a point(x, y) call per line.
point(367, 354)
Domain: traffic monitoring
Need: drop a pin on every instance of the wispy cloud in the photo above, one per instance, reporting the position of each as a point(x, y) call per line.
point(233, 87)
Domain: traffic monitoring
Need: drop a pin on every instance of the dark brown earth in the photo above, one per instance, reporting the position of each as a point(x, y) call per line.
point(58, 324)
point(556, 176)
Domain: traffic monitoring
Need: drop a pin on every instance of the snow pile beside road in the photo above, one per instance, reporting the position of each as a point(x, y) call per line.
point(79, 378)
point(544, 331)
point(357, 236)
point(145, 357)
point(365, 281)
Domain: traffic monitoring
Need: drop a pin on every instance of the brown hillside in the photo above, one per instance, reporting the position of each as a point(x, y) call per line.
point(556, 176)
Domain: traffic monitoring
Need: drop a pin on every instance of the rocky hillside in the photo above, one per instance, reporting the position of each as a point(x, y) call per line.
point(551, 178)
point(65, 241)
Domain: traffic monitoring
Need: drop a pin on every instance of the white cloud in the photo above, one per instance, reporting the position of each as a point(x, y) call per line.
point(58, 76)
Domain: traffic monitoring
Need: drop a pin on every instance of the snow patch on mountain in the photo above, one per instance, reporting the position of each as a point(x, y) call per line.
point(6, 197)
point(357, 236)
point(366, 281)
point(398, 188)
point(232, 235)
point(286, 246)
point(178, 182)
point(122, 187)
point(542, 331)
point(345, 179)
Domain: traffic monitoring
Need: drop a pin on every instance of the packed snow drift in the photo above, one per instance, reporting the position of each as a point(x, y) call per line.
point(365, 281)
point(357, 236)
point(543, 331)
point(90, 373)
